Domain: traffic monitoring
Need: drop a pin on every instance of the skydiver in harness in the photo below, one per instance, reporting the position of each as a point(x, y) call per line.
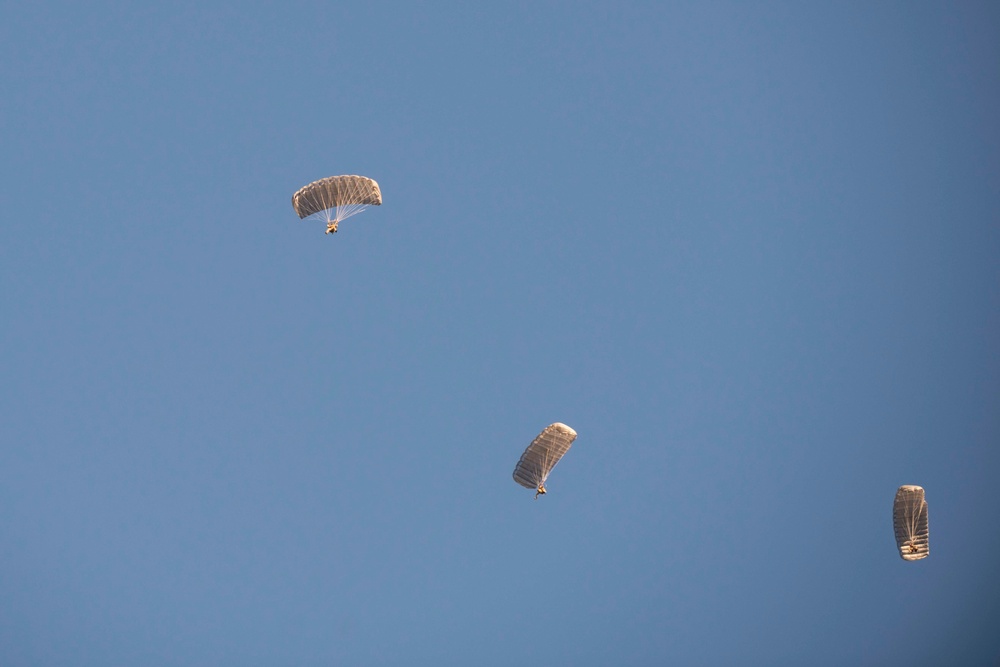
point(540, 491)
point(331, 227)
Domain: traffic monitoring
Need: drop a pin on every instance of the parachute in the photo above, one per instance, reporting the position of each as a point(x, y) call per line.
point(336, 198)
point(909, 521)
point(542, 455)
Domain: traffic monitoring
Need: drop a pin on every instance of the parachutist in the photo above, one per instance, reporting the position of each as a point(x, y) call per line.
point(542, 455)
point(909, 522)
point(336, 197)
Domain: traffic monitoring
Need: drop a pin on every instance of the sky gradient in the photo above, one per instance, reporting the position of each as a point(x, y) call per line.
point(750, 254)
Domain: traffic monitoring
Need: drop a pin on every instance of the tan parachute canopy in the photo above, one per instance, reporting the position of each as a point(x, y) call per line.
point(909, 520)
point(336, 198)
point(542, 455)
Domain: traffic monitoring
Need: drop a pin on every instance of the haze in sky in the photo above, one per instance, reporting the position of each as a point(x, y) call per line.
point(748, 252)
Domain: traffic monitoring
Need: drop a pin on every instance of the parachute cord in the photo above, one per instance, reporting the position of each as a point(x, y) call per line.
point(914, 523)
point(546, 468)
point(348, 210)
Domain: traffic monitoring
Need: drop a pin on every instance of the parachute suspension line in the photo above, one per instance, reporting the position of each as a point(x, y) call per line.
point(324, 213)
point(347, 210)
point(547, 466)
point(340, 211)
point(543, 471)
point(540, 475)
point(915, 521)
point(333, 212)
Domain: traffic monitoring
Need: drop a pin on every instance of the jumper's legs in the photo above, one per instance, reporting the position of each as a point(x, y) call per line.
point(331, 227)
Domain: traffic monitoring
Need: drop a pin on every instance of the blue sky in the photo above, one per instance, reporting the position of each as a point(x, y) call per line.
point(748, 252)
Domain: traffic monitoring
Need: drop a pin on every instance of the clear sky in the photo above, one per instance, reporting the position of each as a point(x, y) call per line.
point(749, 251)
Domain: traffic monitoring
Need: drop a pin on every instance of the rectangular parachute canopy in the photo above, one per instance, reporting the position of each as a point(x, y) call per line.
point(336, 198)
point(910, 524)
point(542, 455)
point(336, 191)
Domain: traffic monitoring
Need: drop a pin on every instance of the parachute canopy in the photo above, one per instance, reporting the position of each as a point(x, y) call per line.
point(909, 520)
point(336, 198)
point(542, 455)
